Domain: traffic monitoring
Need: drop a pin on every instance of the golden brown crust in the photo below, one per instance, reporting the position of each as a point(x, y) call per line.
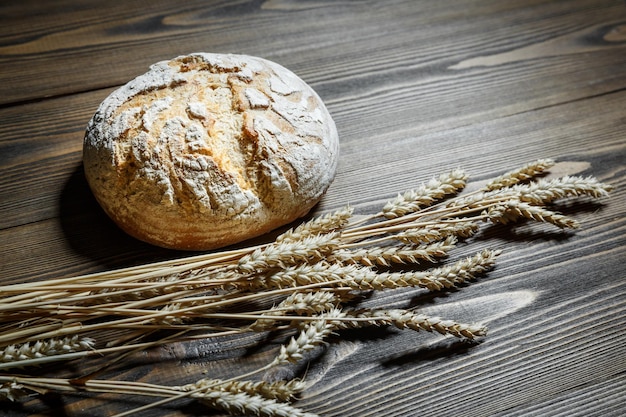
point(207, 150)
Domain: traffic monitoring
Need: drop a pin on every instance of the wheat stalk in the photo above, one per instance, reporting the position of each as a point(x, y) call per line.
point(304, 281)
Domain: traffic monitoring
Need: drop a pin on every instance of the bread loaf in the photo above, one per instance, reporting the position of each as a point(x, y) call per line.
point(207, 150)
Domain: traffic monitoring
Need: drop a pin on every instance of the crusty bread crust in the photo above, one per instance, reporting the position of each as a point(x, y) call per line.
point(207, 150)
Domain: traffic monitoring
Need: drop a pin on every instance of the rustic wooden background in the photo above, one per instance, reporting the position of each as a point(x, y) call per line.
point(416, 87)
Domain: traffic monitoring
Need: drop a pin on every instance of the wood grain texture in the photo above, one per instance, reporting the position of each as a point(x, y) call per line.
point(416, 88)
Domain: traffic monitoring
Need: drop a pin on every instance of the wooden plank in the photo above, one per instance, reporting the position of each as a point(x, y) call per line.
point(96, 46)
point(40, 149)
point(416, 88)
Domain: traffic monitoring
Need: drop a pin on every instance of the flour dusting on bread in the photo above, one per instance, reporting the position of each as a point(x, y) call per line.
point(207, 150)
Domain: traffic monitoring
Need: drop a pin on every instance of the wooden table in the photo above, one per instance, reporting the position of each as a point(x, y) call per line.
point(416, 88)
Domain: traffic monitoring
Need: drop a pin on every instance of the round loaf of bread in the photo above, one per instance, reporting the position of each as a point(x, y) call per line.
point(207, 150)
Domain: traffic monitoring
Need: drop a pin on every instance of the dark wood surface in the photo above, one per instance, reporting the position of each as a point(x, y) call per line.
point(415, 88)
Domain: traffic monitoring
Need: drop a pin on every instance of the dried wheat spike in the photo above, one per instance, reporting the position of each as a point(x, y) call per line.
point(308, 304)
point(312, 334)
point(245, 404)
point(439, 231)
point(364, 278)
point(385, 256)
point(308, 274)
point(434, 279)
point(465, 269)
point(324, 224)
point(13, 392)
point(544, 191)
point(403, 319)
point(413, 200)
point(278, 390)
point(522, 174)
point(47, 347)
point(484, 199)
point(282, 255)
point(512, 211)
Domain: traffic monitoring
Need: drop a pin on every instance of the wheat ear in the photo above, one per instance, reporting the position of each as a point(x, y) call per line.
point(522, 174)
point(282, 255)
point(278, 390)
point(320, 225)
point(365, 278)
point(245, 404)
point(403, 319)
point(434, 232)
point(301, 275)
point(435, 279)
point(435, 189)
point(46, 347)
point(311, 335)
point(511, 211)
point(308, 303)
point(547, 191)
point(385, 256)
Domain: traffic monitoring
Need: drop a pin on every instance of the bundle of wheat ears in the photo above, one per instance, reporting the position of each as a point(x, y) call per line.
point(307, 279)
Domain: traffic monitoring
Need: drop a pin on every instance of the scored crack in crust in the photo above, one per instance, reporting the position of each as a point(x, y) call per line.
point(207, 150)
